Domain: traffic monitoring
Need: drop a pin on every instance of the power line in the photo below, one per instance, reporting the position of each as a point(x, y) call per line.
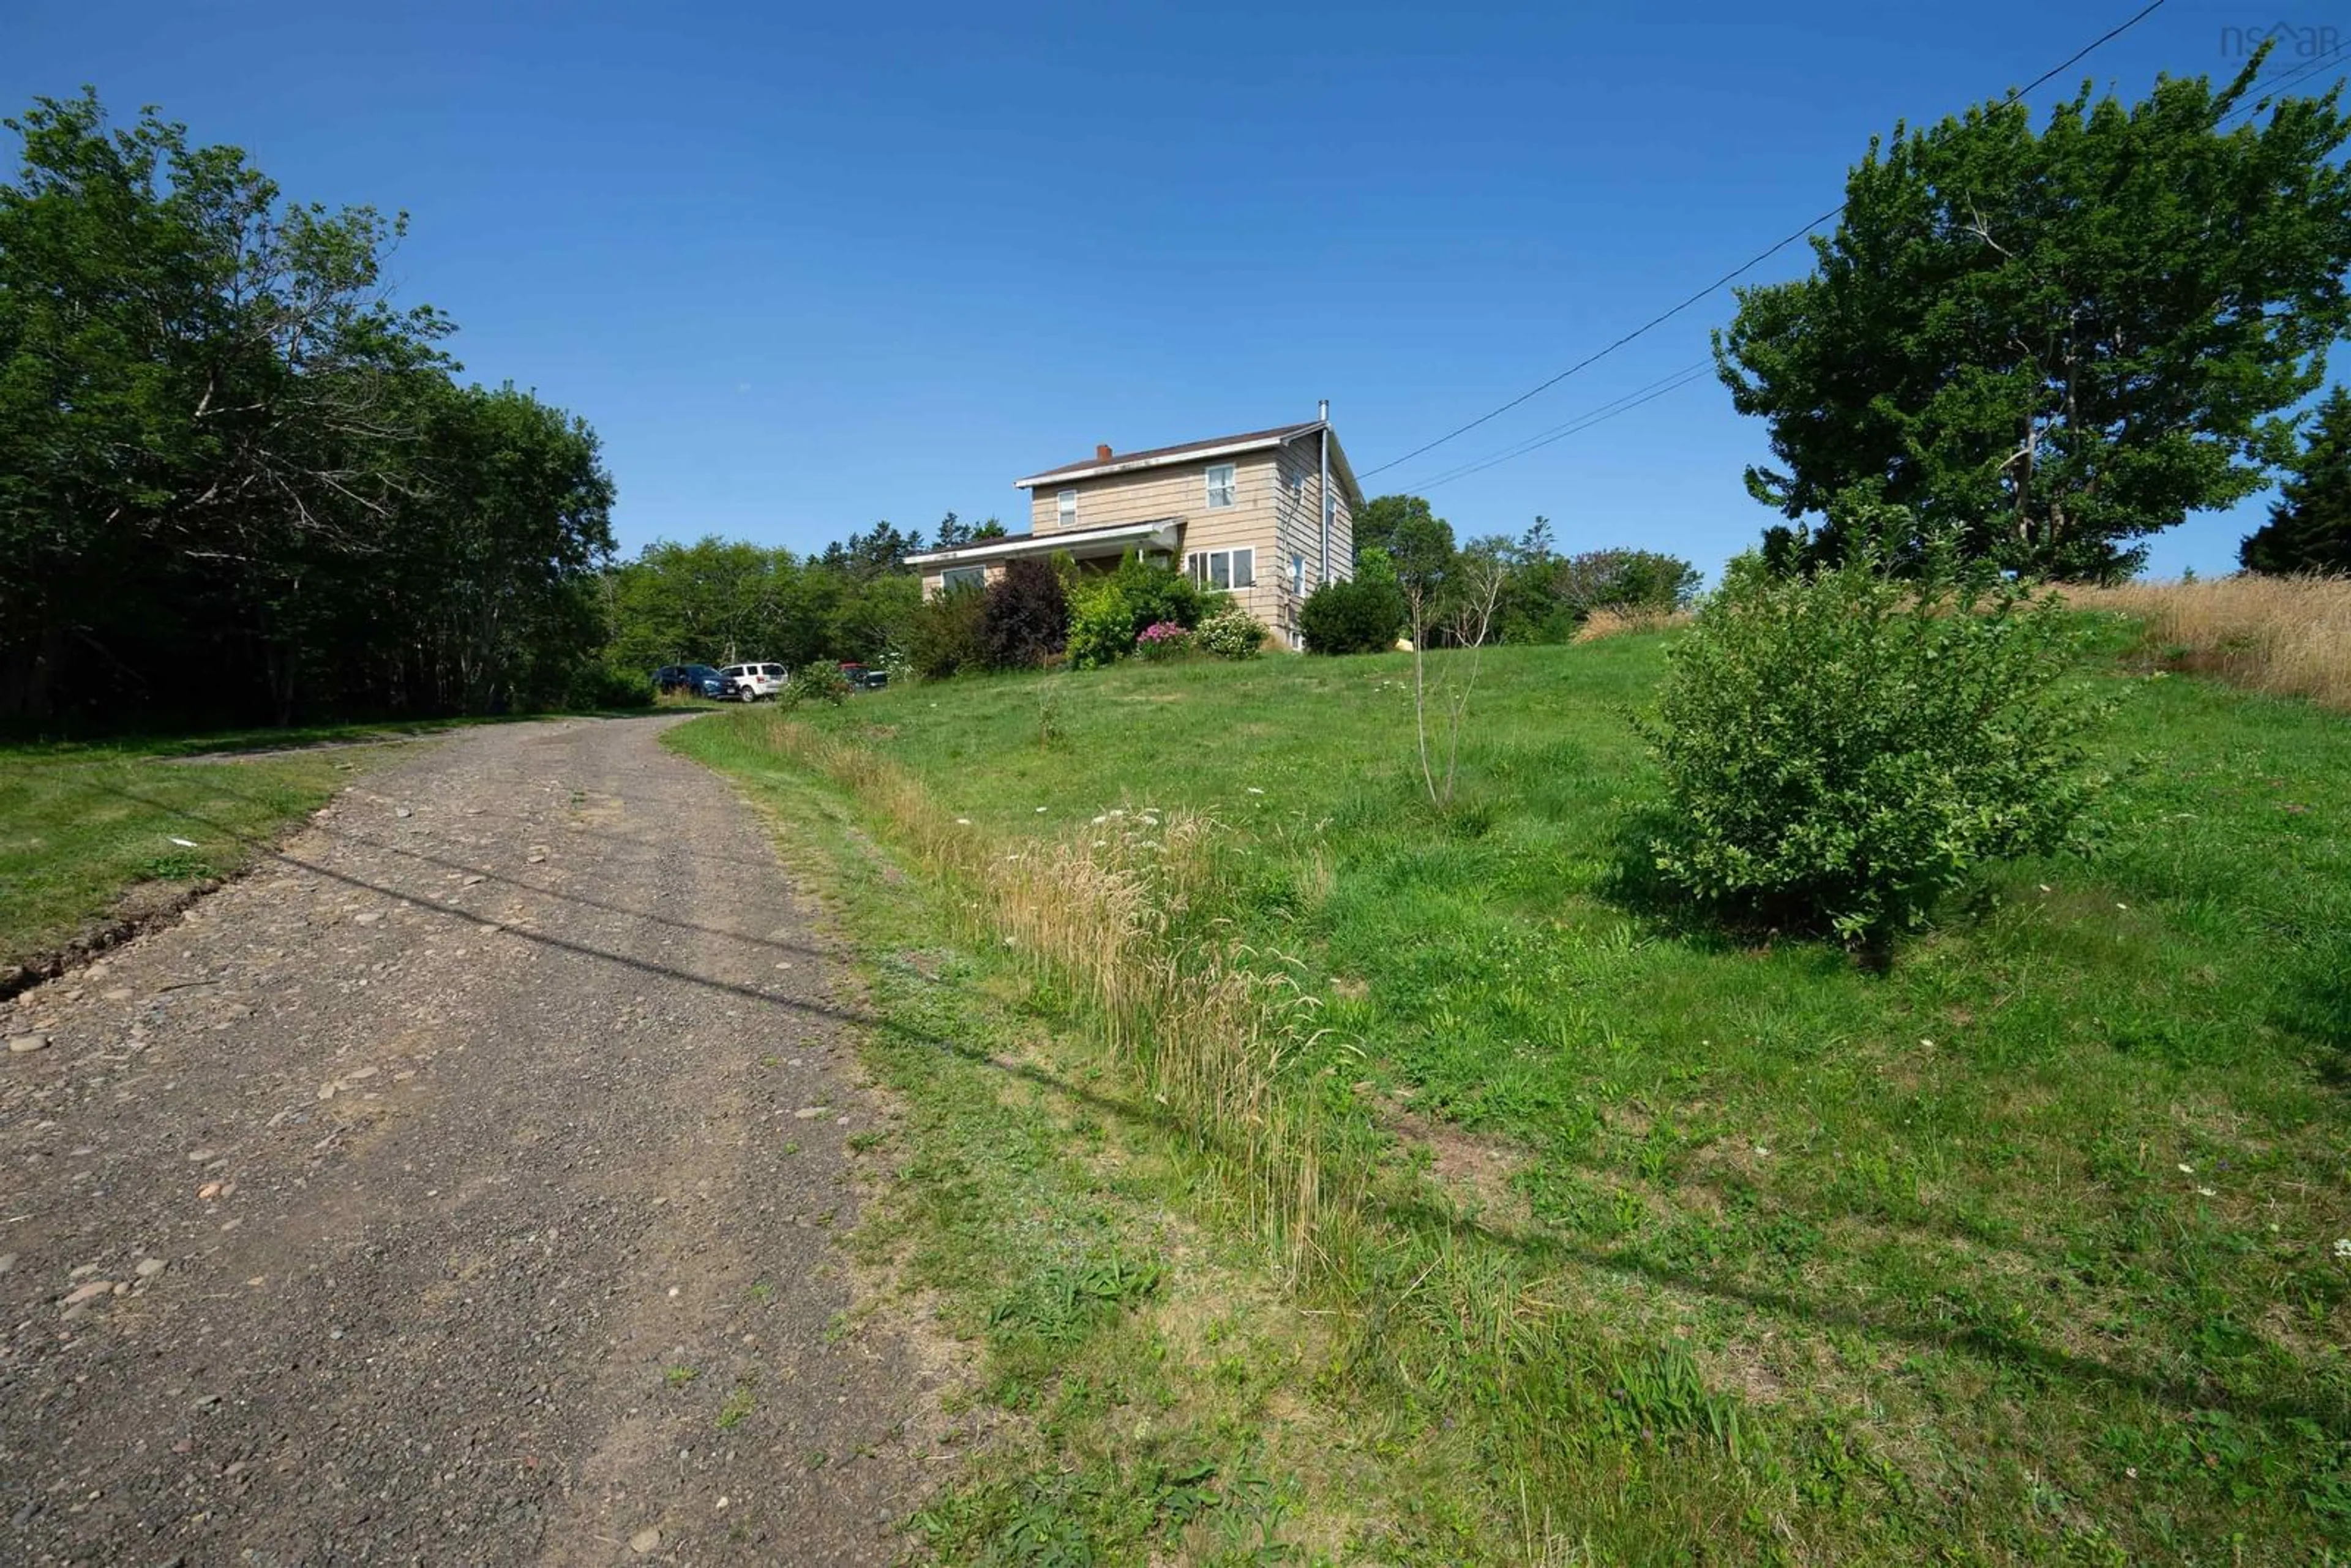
point(1758, 259)
point(1527, 443)
point(1657, 320)
point(1609, 410)
point(2262, 92)
point(1689, 378)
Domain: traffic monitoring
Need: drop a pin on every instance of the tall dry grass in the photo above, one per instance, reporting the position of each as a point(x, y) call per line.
point(1605, 622)
point(2288, 636)
point(1113, 909)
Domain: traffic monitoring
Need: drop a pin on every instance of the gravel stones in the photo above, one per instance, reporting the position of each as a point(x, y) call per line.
point(432, 1142)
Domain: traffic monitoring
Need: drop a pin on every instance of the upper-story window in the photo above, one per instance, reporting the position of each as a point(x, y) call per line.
point(1065, 509)
point(1221, 485)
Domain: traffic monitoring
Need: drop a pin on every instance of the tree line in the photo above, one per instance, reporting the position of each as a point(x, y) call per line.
point(236, 483)
point(1409, 572)
point(724, 601)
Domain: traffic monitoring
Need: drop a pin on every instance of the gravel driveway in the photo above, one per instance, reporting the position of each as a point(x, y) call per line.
point(459, 1187)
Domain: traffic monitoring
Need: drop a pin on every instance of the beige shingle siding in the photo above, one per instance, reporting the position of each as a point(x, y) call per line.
point(1148, 495)
point(1268, 515)
point(1301, 513)
point(1301, 520)
point(1252, 522)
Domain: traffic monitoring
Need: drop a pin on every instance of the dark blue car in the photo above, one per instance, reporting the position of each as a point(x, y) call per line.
point(693, 680)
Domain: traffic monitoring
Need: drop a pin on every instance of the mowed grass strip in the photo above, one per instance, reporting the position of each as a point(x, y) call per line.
point(2029, 1245)
point(83, 826)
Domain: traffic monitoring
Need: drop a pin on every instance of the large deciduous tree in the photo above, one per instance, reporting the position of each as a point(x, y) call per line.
point(236, 481)
point(2310, 524)
point(2059, 343)
point(1383, 517)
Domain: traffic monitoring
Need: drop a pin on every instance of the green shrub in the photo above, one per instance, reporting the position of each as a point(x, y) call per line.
point(1101, 624)
point(815, 683)
point(1157, 593)
point(1631, 579)
point(1840, 750)
point(1230, 631)
point(594, 686)
point(942, 636)
point(1360, 616)
point(1025, 620)
point(1110, 612)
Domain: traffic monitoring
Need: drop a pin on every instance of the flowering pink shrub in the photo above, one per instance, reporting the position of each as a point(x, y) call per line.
point(1163, 640)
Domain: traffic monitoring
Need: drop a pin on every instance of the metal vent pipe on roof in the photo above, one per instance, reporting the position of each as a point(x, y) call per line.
point(1323, 413)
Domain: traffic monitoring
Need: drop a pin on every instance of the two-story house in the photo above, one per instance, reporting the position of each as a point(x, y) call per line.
point(1266, 516)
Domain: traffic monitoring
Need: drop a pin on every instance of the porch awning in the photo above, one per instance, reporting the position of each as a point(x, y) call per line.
point(1159, 534)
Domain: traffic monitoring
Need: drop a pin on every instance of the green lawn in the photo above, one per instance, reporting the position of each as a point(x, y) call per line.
point(2030, 1249)
point(81, 826)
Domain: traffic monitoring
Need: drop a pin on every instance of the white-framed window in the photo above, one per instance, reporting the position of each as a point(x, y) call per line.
point(957, 577)
point(1297, 574)
point(1224, 568)
point(1223, 487)
point(1065, 509)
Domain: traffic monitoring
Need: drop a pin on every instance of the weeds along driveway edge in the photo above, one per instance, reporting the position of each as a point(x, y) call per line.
point(1125, 1378)
point(1213, 1029)
point(1508, 1415)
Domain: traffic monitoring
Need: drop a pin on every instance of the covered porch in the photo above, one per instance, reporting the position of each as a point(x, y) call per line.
point(1098, 549)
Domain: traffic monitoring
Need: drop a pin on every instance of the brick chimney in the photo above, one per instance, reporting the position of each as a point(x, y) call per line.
point(1102, 451)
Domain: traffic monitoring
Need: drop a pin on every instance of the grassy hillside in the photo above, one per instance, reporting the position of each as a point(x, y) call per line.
point(2035, 1246)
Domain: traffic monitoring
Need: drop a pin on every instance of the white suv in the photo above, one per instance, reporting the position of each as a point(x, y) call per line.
point(752, 682)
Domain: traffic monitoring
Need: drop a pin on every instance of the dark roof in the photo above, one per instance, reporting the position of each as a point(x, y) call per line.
point(1278, 433)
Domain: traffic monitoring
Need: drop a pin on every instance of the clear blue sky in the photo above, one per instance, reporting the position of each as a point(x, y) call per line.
point(807, 266)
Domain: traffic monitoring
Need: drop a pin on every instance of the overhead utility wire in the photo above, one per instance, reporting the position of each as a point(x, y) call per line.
point(1589, 417)
point(1574, 418)
point(1692, 379)
point(2261, 88)
point(1758, 259)
point(2261, 91)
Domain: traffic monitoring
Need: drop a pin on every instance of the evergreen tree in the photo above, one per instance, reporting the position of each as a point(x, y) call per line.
point(2310, 524)
point(2055, 341)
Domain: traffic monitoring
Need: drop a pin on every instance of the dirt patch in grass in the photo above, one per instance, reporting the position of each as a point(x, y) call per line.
point(1482, 1173)
point(1744, 1367)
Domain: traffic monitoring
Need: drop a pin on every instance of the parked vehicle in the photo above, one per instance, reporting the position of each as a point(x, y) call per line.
point(692, 680)
point(752, 682)
point(862, 678)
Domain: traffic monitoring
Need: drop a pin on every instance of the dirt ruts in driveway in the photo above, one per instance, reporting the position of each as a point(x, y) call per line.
point(461, 1186)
